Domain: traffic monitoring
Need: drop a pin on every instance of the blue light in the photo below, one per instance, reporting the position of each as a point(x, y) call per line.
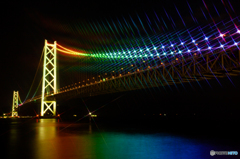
point(171, 52)
point(209, 47)
point(182, 43)
point(193, 41)
point(206, 38)
point(151, 54)
point(222, 46)
point(163, 46)
point(157, 54)
point(164, 53)
point(172, 45)
point(188, 50)
point(155, 48)
point(238, 31)
point(147, 49)
point(198, 49)
point(235, 43)
point(180, 52)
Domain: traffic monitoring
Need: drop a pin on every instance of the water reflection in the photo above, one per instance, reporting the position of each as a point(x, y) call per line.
point(48, 138)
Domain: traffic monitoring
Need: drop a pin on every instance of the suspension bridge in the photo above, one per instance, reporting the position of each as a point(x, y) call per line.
point(190, 55)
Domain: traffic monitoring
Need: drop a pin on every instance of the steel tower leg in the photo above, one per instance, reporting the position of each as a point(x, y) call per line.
point(49, 80)
point(15, 104)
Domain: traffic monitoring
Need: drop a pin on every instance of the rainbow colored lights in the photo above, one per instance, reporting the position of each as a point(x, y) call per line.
point(114, 48)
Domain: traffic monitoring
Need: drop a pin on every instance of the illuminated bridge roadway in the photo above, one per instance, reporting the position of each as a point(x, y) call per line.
point(175, 58)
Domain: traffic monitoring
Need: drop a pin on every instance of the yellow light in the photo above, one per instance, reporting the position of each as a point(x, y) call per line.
point(72, 52)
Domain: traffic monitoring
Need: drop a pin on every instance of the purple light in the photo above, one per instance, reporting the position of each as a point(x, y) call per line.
point(222, 46)
point(221, 35)
point(238, 31)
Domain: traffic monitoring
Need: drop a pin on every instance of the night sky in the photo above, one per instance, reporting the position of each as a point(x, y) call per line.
point(25, 26)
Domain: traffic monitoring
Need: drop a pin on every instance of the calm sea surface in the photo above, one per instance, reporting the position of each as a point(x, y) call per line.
point(51, 139)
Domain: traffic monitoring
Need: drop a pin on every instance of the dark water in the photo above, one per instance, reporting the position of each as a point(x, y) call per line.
point(50, 139)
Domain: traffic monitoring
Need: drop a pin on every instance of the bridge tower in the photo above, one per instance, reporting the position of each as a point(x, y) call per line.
point(15, 104)
point(49, 80)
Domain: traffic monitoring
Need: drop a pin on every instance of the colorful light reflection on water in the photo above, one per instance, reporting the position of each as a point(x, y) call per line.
point(48, 138)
